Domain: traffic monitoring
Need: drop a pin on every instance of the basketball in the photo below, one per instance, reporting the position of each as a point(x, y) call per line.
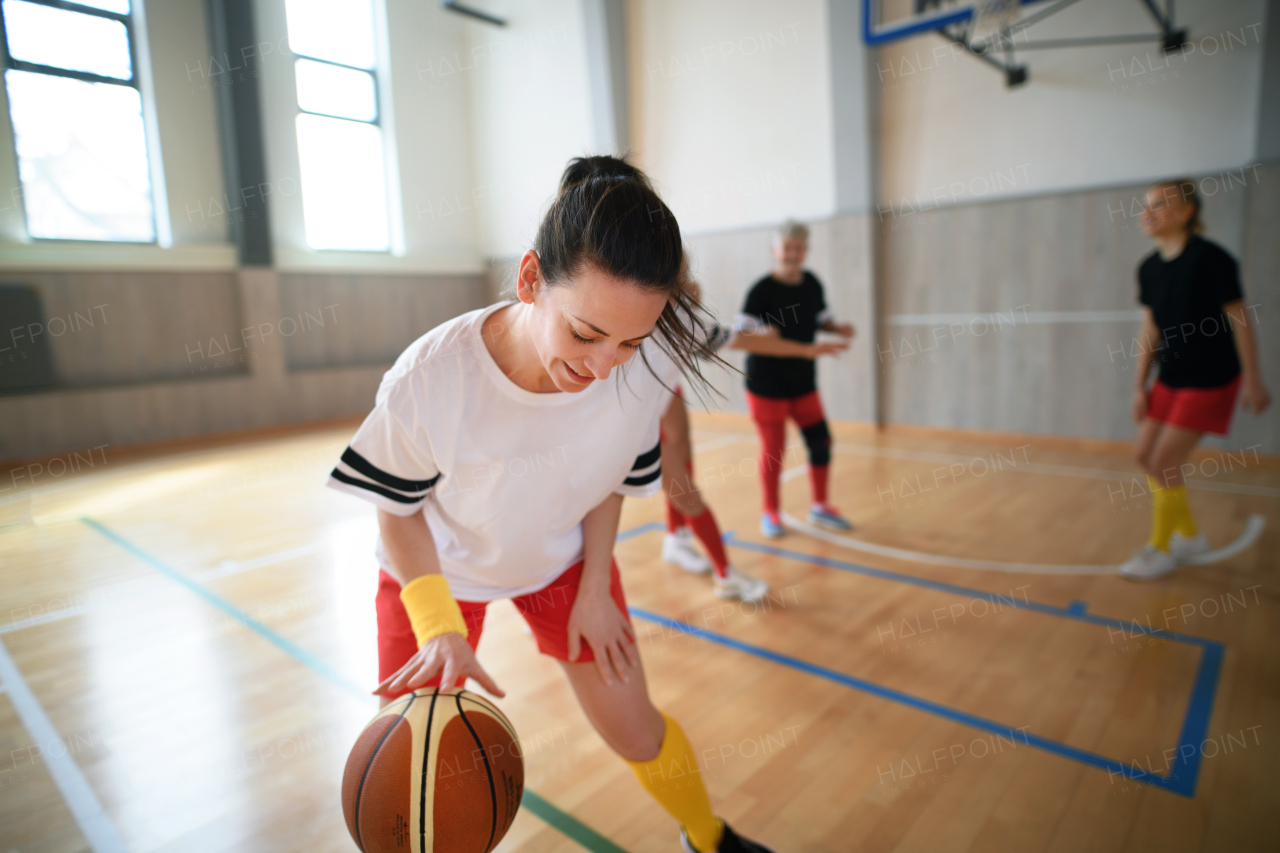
point(434, 772)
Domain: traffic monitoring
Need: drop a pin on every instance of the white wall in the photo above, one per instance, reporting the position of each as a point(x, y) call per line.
point(187, 118)
point(1088, 117)
point(532, 112)
point(731, 109)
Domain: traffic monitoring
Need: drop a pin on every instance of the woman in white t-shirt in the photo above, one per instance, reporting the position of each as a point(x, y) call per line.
point(498, 454)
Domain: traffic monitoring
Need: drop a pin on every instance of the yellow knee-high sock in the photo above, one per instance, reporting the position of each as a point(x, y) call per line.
point(1180, 509)
point(1170, 512)
point(674, 780)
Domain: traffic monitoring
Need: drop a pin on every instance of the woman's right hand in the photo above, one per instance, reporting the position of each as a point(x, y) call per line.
point(1139, 404)
point(448, 652)
point(827, 348)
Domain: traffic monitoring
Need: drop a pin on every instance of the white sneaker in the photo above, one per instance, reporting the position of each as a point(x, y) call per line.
point(1186, 547)
point(1148, 564)
point(741, 586)
point(677, 549)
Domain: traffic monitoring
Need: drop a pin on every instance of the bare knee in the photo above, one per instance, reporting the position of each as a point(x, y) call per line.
point(1164, 468)
point(638, 748)
point(634, 744)
point(637, 738)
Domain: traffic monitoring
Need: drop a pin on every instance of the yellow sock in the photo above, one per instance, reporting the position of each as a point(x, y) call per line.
point(1170, 512)
point(1180, 509)
point(674, 780)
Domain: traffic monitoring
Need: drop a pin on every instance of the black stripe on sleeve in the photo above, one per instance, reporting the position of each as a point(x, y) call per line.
point(643, 479)
point(364, 466)
point(644, 460)
point(378, 490)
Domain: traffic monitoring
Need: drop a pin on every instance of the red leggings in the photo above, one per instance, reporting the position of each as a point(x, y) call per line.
point(770, 415)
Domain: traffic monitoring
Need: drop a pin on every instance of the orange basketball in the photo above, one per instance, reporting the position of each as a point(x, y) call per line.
point(436, 771)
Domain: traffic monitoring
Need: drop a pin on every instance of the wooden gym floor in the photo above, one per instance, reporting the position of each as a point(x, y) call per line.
point(188, 641)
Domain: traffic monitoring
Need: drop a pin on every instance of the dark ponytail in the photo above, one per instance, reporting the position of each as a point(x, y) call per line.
point(607, 215)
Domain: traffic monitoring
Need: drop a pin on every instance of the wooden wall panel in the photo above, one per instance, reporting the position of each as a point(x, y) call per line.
point(109, 328)
point(144, 390)
point(1046, 258)
point(367, 319)
point(1260, 268)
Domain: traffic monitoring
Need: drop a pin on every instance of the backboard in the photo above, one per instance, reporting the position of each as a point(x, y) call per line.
point(884, 21)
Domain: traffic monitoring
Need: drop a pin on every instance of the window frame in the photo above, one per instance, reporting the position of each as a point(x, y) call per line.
point(379, 112)
point(9, 63)
point(373, 75)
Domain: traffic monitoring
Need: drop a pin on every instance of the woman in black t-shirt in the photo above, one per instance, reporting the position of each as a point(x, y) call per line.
point(782, 315)
point(1199, 330)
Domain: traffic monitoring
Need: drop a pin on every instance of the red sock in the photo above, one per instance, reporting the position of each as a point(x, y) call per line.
point(708, 533)
point(675, 518)
point(818, 483)
point(773, 440)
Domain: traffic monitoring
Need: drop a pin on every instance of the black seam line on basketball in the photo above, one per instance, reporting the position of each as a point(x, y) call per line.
point(364, 466)
point(644, 479)
point(386, 493)
point(489, 706)
point(484, 754)
point(644, 460)
point(422, 793)
point(369, 763)
point(408, 697)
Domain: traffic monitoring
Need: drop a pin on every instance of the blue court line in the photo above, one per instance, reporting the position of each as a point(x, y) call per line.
point(552, 816)
point(1184, 770)
point(291, 648)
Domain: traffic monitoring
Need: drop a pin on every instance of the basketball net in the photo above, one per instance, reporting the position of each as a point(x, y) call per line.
point(990, 18)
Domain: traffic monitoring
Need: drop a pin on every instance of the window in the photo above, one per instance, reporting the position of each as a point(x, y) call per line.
point(340, 145)
point(69, 71)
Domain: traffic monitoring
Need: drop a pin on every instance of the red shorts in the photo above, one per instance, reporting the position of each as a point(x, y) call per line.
point(546, 611)
point(1202, 409)
point(805, 410)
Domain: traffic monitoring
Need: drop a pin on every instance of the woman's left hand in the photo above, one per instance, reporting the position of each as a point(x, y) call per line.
point(1255, 396)
point(596, 619)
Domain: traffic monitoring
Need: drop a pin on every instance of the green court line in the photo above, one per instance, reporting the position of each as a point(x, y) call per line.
point(563, 821)
point(570, 826)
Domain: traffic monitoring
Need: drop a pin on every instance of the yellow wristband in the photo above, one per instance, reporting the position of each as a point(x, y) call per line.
point(431, 608)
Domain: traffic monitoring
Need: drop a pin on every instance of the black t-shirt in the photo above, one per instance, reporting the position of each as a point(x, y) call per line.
point(796, 311)
point(1186, 296)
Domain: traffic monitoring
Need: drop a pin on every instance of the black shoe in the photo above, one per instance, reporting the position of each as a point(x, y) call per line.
point(730, 842)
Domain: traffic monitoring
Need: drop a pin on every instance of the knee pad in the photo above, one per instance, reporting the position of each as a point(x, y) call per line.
point(818, 439)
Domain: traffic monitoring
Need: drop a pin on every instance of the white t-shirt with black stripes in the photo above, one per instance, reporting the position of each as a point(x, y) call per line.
point(504, 476)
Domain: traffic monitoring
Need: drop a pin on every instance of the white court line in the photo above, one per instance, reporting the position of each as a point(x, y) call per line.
point(940, 559)
point(716, 443)
point(231, 567)
point(111, 592)
point(994, 318)
point(93, 821)
point(1025, 467)
point(1252, 530)
point(1041, 468)
point(31, 622)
